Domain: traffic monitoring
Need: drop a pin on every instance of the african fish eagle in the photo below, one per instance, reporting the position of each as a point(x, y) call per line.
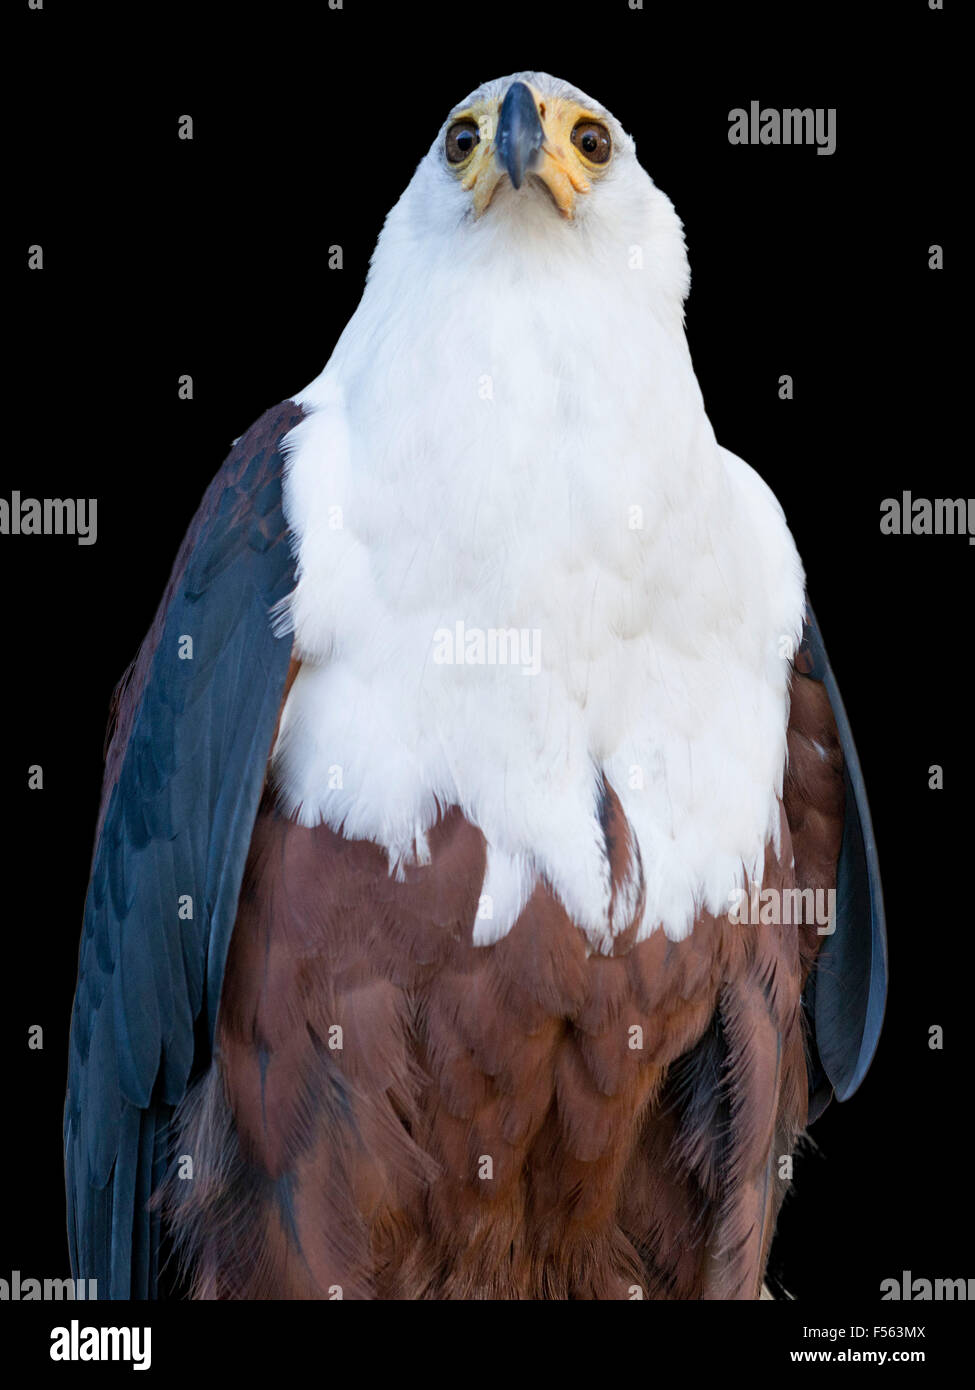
point(440, 938)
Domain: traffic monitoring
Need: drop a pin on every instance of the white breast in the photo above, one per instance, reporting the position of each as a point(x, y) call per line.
point(540, 474)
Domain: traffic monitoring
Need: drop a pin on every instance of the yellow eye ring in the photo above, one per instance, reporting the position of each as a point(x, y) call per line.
point(463, 137)
point(593, 140)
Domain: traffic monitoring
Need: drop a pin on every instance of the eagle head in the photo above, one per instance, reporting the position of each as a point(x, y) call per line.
point(528, 171)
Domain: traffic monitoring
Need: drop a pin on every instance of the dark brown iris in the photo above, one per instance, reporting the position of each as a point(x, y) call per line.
point(593, 139)
point(461, 139)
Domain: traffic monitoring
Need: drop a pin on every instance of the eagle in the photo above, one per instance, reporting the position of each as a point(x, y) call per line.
point(484, 897)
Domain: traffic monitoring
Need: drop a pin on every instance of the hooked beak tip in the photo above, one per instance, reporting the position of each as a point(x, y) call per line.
point(520, 134)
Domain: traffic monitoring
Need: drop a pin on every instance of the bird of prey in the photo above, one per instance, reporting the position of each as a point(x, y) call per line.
point(484, 897)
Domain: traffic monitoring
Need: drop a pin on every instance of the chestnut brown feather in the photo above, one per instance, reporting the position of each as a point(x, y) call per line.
point(483, 1126)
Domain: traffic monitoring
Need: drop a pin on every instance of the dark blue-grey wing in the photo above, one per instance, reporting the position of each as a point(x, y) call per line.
point(847, 990)
point(192, 729)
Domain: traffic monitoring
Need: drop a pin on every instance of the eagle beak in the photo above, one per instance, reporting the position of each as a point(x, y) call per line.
point(520, 135)
point(531, 137)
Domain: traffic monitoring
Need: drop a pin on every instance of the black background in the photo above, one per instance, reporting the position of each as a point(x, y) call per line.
point(208, 257)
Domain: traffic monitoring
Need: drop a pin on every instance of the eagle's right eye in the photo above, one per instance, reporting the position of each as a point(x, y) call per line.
point(461, 139)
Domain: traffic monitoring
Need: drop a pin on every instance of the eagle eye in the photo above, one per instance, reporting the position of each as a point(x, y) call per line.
point(461, 139)
point(593, 140)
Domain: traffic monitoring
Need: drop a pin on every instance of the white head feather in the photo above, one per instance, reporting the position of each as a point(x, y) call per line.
point(509, 435)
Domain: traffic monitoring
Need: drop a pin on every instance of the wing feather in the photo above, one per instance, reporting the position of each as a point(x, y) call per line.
point(185, 765)
point(846, 992)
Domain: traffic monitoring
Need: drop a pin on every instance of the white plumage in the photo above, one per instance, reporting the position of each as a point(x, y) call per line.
point(510, 434)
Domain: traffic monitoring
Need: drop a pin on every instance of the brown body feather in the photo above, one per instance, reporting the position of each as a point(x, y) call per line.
point(393, 1112)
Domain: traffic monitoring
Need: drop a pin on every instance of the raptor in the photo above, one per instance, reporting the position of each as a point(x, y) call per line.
point(415, 978)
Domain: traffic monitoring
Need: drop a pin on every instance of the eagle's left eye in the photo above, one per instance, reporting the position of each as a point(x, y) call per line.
point(593, 139)
point(461, 139)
